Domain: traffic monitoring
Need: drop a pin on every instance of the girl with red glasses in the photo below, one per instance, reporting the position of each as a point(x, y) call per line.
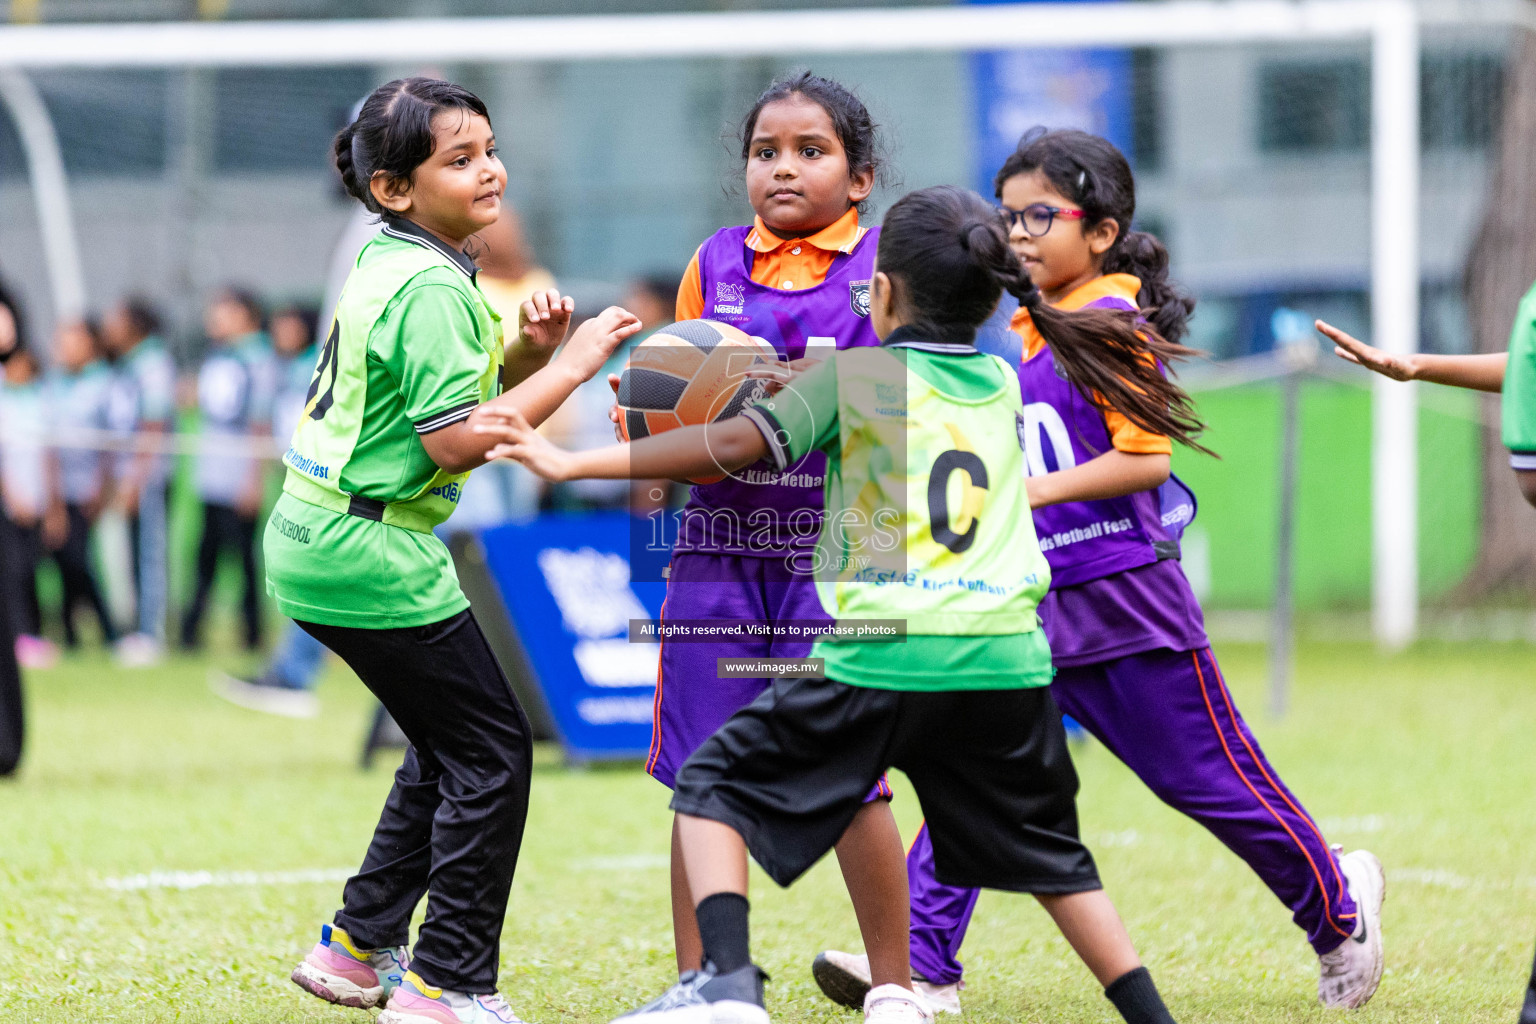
point(1127, 635)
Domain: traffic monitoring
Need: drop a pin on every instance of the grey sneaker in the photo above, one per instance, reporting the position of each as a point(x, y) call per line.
point(707, 997)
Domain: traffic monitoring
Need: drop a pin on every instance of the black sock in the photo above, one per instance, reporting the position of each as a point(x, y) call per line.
point(1135, 996)
point(723, 927)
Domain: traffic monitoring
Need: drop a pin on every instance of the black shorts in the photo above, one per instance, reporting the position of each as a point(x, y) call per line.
point(990, 768)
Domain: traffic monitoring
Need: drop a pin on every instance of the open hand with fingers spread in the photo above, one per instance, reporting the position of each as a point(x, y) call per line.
point(543, 320)
point(512, 437)
point(1358, 352)
point(1480, 371)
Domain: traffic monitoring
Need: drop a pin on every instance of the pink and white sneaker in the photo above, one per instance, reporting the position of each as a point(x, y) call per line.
point(36, 652)
point(338, 972)
point(416, 1002)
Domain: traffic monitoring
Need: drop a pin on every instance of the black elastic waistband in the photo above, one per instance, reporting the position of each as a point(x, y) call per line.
point(1164, 549)
point(366, 508)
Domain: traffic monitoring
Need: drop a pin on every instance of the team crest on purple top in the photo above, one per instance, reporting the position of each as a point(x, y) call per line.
point(858, 297)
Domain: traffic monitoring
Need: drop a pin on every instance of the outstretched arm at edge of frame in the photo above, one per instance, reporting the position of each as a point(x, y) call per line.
point(1477, 372)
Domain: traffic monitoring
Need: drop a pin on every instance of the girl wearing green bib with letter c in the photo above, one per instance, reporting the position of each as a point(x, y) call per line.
point(928, 529)
point(415, 358)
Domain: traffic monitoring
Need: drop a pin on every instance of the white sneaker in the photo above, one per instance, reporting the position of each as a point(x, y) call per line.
point(415, 1002)
point(1348, 976)
point(258, 696)
point(892, 1004)
point(844, 978)
point(138, 650)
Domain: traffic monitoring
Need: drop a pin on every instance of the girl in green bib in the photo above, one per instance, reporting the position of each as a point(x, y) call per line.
point(928, 536)
point(415, 358)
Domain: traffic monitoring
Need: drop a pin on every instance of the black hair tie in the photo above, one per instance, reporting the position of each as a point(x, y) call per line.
point(965, 232)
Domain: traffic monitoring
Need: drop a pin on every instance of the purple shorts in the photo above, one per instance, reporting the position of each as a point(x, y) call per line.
point(691, 703)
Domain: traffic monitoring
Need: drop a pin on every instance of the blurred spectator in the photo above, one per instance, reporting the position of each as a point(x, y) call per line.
point(285, 686)
point(77, 400)
point(582, 422)
point(140, 403)
point(26, 497)
point(294, 351)
point(509, 275)
point(234, 396)
point(12, 716)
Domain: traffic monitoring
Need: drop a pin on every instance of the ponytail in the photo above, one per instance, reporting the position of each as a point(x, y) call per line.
point(1111, 358)
point(949, 248)
point(1164, 303)
point(1115, 364)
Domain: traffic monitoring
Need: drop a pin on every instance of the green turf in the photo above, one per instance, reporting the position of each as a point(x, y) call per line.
point(1239, 494)
point(1422, 758)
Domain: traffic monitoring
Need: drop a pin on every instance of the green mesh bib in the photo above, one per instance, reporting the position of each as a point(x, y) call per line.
point(927, 515)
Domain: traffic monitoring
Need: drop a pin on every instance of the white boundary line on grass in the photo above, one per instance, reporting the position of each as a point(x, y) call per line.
point(181, 880)
point(202, 879)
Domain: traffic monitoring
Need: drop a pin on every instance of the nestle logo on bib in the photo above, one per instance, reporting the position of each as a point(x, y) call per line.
point(730, 298)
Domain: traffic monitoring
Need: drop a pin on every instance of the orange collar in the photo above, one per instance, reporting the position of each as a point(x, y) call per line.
point(839, 236)
point(1120, 286)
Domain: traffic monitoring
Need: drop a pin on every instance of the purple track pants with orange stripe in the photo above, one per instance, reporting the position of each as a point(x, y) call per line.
point(1169, 717)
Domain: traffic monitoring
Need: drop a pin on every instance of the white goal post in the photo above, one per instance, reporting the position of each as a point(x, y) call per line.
point(1392, 27)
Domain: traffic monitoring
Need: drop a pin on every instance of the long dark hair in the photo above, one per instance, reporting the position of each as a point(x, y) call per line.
point(855, 128)
point(947, 250)
point(1091, 172)
point(393, 132)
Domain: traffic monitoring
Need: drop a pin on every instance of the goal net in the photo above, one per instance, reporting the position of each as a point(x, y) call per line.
point(1300, 160)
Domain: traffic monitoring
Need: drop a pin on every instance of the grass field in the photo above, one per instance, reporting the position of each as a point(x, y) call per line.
point(1426, 759)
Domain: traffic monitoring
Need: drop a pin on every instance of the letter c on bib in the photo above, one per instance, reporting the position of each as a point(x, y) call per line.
point(943, 532)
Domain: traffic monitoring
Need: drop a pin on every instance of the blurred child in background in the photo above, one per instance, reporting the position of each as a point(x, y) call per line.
point(77, 399)
point(234, 396)
point(509, 273)
point(582, 423)
point(12, 716)
point(141, 400)
point(26, 498)
point(285, 686)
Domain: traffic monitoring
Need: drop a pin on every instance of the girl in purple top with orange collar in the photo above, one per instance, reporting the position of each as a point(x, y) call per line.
point(799, 279)
point(1127, 634)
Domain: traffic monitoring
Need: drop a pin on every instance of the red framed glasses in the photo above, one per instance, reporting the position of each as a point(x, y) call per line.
point(1037, 218)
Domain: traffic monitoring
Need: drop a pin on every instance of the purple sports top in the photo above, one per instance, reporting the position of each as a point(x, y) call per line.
point(1116, 585)
point(759, 511)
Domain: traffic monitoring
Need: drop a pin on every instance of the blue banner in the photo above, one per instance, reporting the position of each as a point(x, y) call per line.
point(567, 584)
point(1015, 90)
